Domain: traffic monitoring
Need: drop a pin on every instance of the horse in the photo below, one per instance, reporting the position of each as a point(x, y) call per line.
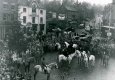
point(85, 59)
point(69, 58)
point(62, 57)
point(79, 55)
point(75, 46)
point(92, 60)
point(48, 68)
point(58, 46)
point(67, 44)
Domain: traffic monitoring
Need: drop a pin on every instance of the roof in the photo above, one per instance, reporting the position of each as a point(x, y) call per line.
point(67, 7)
point(70, 8)
point(29, 3)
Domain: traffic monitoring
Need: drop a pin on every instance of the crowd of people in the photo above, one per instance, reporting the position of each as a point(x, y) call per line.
point(41, 44)
point(5, 73)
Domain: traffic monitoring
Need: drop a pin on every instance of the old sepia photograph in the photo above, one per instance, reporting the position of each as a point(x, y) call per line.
point(57, 39)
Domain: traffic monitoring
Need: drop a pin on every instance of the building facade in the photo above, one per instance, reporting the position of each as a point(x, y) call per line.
point(33, 13)
point(113, 13)
point(8, 16)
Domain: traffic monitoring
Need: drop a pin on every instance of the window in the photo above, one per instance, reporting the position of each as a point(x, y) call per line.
point(4, 16)
point(12, 16)
point(34, 10)
point(41, 27)
point(5, 5)
point(24, 9)
point(24, 19)
point(8, 17)
point(33, 19)
point(41, 11)
point(12, 6)
point(73, 16)
point(41, 20)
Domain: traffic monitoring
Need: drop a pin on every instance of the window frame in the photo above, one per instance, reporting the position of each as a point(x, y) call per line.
point(34, 10)
point(41, 11)
point(4, 17)
point(12, 6)
point(24, 9)
point(12, 17)
point(24, 19)
point(5, 5)
point(41, 20)
point(33, 20)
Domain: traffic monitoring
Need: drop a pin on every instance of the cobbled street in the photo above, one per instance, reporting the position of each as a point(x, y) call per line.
point(75, 73)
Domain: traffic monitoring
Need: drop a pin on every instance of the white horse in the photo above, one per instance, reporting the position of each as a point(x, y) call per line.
point(75, 46)
point(62, 57)
point(69, 58)
point(67, 44)
point(58, 45)
point(79, 55)
point(85, 58)
point(92, 60)
point(48, 68)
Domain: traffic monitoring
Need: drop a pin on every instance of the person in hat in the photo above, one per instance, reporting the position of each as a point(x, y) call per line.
point(43, 65)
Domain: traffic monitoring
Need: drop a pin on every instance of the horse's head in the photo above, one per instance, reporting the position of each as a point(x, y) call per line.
point(56, 66)
point(53, 65)
point(75, 46)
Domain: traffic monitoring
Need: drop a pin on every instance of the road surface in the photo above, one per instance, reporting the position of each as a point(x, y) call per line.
point(75, 72)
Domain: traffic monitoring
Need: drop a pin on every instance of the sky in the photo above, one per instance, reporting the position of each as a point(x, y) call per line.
point(100, 2)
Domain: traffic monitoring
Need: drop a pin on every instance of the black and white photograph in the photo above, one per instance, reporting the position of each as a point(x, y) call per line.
point(57, 39)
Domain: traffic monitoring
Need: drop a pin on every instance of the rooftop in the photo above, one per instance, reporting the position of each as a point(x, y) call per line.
point(30, 2)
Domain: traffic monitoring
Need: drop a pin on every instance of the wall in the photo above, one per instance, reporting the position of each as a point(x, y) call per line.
point(29, 16)
point(5, 25)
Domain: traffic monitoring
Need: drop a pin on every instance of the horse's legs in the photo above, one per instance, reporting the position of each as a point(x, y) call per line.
point(102, 61)
point(79, 61)
point(107, 62)
point(28, 67)
point(86, 64)
point(35, 74)
point(48, 76)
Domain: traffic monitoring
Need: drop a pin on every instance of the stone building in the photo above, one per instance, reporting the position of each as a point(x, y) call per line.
point(32, 12)
point(113, 13)
point(8, 16)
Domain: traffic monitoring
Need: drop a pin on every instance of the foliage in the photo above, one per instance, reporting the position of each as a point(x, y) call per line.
point(84, 10)
point(53, 6)
point(15, 38)
point(106, 14)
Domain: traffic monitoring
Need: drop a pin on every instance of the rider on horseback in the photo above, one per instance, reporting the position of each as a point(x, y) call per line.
point(88, 54)
point(43, 65)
